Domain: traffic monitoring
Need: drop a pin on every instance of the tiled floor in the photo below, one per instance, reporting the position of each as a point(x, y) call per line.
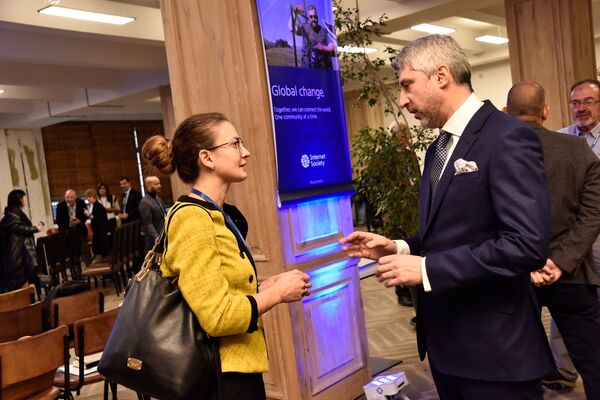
point(390, 336)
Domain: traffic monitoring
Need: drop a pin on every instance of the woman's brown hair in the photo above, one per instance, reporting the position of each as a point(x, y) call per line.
point(181, 153)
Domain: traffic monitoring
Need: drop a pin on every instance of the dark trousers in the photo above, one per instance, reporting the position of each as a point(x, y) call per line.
point(456, 388)
point(239, 386)
point(576, 312)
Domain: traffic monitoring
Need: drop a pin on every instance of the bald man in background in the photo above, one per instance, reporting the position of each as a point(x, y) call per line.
point(71, 213)
point(567, 283)
point(152, 211)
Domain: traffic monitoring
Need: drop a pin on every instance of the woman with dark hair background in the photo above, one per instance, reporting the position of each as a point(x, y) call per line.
point(110, 203)
point(99, 222)
point(17, 246)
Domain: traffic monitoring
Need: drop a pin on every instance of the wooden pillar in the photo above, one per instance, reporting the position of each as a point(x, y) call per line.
point(178, 188)
point(551, 42)
point(317, 348)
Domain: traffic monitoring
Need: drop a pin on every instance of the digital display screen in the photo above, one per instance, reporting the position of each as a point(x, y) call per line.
point(311, 139)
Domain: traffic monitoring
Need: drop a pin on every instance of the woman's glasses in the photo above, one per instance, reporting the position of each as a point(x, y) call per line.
point(237, 142)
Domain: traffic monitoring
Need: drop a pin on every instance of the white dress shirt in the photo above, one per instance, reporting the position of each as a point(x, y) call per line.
point(455, 126)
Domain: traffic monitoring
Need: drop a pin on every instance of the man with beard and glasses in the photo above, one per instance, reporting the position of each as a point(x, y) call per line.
point(585, 110)
point(483, 228)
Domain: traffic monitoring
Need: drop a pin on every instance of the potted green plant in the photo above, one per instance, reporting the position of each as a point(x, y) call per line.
point(387, 160)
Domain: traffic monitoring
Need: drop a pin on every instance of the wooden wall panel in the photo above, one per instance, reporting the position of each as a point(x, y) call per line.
point(145, 130)
point(81, 154)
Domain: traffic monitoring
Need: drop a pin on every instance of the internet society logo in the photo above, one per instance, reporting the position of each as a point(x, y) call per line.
point(305, 161)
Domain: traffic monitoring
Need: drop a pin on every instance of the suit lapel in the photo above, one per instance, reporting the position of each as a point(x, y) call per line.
point(468, 137)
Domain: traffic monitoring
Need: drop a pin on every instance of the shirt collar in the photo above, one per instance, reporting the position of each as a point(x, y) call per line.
point(457, 123)
point(594, 132)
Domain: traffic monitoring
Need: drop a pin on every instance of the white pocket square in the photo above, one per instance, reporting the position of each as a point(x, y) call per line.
point(464, 167)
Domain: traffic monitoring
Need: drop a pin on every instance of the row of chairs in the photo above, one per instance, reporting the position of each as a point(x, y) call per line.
point(126, 258)
point(79, 317)
point(64, 256)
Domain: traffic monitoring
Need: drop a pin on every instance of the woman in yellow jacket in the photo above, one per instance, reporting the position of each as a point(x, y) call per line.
point(207, 251)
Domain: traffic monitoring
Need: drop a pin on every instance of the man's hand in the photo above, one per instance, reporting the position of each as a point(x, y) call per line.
point(368, 245)
point(396, 270)
point(547, 275)
point(319, 46)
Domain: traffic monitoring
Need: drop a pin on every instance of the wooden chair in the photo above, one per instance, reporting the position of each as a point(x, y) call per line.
point(17, 299)
point(91, 335)
point(55, 251)
point(102, 269)
point(28, 365)
point(66, 310)
point(28, 321)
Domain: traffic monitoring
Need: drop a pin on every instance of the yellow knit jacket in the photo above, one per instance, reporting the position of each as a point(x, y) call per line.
point(217, 283)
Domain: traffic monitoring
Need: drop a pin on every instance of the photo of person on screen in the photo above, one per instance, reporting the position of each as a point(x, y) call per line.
point(318, 44)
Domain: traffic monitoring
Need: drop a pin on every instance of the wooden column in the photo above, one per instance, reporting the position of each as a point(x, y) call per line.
point(317, 348)
point(551, 42)
point(178, 188)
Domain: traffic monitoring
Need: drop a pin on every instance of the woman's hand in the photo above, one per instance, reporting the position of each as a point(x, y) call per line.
point(292, 285)
point(283, 288)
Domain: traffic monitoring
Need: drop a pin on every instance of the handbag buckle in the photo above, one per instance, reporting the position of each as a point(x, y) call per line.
point(134, 364)
point(142, 274)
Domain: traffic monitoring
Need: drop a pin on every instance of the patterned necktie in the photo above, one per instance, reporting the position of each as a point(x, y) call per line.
point(438, 160)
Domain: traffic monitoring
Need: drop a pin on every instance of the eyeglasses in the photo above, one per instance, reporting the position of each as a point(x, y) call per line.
point(586, 102)
point(237, 142)
point(313, 16)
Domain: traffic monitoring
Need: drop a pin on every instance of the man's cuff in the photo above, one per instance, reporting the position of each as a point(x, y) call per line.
point(402, 248)
point(426, 284)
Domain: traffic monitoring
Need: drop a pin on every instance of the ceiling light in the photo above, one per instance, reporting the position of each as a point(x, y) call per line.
point(428, 28)
point(492, 39)
point(354, 49)
point(85, 15)
point(1, 91)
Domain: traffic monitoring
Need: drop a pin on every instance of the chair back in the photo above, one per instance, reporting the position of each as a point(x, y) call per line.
point(17, 299)
point(56, 256)
point(28, 321)
point(66, 310)
point(27, 366)
point(92, 333)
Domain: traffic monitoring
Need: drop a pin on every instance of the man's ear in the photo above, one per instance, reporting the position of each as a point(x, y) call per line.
point(443, 75)
point(545, 112)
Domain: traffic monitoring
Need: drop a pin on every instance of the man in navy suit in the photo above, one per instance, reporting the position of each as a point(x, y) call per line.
point(484, 226)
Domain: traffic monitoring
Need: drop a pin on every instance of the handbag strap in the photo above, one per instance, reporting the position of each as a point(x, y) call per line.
point(160, 244)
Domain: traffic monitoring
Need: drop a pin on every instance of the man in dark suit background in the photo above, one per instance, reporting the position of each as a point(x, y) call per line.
point(130, 201)
point(152, 211)
point(567, 283)
point(484, 227)
point(71, 213)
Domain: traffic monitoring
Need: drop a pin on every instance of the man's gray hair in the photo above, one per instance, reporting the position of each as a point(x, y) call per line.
point(427, 53)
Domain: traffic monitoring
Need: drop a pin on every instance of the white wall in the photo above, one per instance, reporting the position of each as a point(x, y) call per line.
point(23, 167)
point(492, 82)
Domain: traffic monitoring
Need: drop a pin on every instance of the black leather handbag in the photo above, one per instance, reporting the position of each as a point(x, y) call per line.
point(157, 346)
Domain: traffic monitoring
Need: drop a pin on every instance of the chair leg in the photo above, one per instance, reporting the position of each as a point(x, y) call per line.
point(117, 283)
point(113, 389)
point(105, 389)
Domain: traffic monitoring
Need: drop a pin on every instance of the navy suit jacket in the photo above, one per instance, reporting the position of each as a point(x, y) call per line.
point(482, 234)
